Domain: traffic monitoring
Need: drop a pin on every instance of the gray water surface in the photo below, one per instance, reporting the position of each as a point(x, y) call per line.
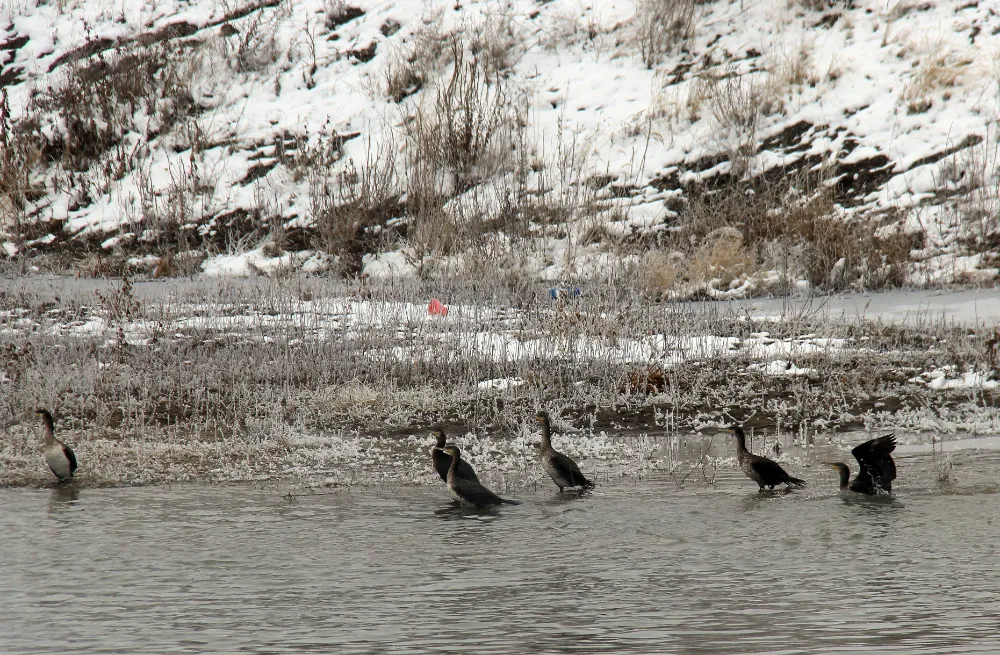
point(635, 567)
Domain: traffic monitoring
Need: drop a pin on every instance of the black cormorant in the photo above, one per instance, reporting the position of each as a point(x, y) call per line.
point(468, 491)
point(877, 470)
point(563, 471)
point(58, 455)
point(765, 472)
point(442, 460)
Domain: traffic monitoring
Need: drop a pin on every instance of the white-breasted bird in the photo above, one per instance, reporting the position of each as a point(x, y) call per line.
point(58, 455)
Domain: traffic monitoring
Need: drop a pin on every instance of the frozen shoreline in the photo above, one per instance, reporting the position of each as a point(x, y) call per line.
point(285, 379)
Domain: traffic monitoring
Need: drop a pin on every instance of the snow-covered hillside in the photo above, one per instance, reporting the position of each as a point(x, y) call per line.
point(719, 147)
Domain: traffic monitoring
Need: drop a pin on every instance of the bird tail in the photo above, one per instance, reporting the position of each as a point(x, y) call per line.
point(507, 501)
point(795, 482)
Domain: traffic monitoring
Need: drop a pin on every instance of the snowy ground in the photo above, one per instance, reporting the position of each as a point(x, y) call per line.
point(896, 101)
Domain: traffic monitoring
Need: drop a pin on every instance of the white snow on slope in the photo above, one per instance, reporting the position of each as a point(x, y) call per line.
point(904, 79)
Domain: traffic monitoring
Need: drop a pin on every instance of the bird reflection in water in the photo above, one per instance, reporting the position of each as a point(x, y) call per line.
point(63, 497)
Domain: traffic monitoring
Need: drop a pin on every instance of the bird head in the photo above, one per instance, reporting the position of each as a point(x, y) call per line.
point(439, 437)
point(841, 468)
point(453, 451)
point(542, 417)
point(735, 430)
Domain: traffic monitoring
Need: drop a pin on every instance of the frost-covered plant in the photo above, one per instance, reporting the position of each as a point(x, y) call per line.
point(223, 372)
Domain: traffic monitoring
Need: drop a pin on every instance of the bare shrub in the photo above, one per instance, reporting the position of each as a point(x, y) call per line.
point(465, 132)
point(255, 44)
point(972, 176)
point(402, 78)
point(94, 104)
point(787, 70)
point(352, 204)
point(406, 70)
point(165, 218)
point(736, 103)
point(19, 156)
point(662, 25)
point(721, 256)
point(660, 272)
point(496, 40)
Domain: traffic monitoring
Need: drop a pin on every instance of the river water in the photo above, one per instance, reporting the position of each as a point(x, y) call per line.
point(641, 566)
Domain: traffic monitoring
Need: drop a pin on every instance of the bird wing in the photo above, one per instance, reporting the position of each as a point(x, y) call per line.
point(475, 493)
point(568, 468)
point(768, 470)
point(465, 471)
point(875, 460)
point(71, 456)
point(442, 462)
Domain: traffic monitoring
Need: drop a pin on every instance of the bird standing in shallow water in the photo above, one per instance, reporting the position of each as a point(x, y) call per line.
point(563, 471)
point(469, 491)
point(442, 460)
point(877, 470)
point(58, 455)
point(765, 472)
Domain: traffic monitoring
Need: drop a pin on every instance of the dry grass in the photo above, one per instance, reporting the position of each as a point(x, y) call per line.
point(95, 103)
point(721, 256)
point(788, 224)
point(938, 67)
point(242, 365)
point(736, 104)
point(661, 26)
point(972, 177)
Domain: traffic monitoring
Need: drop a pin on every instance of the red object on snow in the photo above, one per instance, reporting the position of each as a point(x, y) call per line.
point(436, 308)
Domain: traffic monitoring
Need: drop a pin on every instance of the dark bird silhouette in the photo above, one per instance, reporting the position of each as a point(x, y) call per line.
point(58, 455)
point(563, 471)
point(877, 470)
point(765, 472)
point(442, 460)
point(469, 491)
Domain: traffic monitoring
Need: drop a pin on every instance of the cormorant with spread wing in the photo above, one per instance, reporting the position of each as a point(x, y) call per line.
point(877, 470)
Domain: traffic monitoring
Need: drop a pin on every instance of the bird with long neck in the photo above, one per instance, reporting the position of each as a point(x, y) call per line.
point(563, 470)
point(844, 472)
point(470, 492)
point(765, 472)
point(876, 468)
point(58, 455)
point(442, 460)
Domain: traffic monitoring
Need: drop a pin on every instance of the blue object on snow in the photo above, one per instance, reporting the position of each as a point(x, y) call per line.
point(558, 293)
